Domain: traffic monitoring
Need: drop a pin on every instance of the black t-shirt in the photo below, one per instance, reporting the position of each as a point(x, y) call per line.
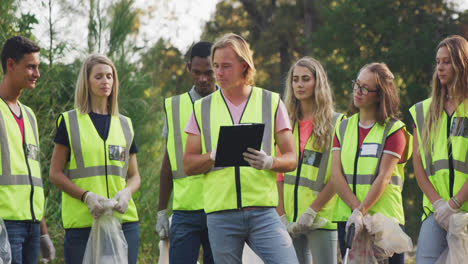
point(101, 123)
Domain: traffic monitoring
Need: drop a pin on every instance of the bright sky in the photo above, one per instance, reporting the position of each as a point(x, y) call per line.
point(178, 21)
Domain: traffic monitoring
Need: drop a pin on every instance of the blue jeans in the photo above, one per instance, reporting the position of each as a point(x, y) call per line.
point(432, 241)
point(74, 244)
point(24, 241)
point(260, 228)
point(395, 259)
point(188, 232)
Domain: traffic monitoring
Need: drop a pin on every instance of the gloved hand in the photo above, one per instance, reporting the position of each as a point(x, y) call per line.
point(213, 154)
point(162, 226)
point(258, 159)
point(284, 220)
point(122, 196)
point(442, 213)
point(305, 221)
point(94, 202)
point(356, 219)
point(47, 249)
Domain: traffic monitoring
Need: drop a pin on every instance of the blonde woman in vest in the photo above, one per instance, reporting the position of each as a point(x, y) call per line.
point(442, 141)
point(94, 159)
point(306, 195)
point(240, 200)
point(369, 152)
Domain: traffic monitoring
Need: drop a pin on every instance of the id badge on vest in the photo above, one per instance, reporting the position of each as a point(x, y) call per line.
point(369, 149)
point(32, 152)
point(311, 158)
point(116, 153)
point(462, 130)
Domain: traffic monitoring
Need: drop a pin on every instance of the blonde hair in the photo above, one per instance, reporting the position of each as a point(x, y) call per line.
point(242, 50)
point(389, 101)
point(457, 47)
point(83, 90)
point(322, 99)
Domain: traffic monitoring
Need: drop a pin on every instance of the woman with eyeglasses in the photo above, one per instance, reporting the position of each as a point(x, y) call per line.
point(306, 197)
point(369, 152)
point(442, 140)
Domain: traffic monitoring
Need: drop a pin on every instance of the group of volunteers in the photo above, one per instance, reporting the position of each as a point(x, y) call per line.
point(316, 174)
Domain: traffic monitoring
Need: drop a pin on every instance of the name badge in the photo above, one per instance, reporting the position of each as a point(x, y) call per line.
point(369, 150)
point(32, 152)
point(116, 153)
point(311, 158)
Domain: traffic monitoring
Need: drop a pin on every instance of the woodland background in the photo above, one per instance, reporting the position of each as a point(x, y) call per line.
point(342, 34)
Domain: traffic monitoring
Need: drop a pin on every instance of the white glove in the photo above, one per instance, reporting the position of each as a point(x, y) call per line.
point(162, 226)
point(356, 219)
point(284, 220)
point(442, 213)
point(95, 204)
point(213, 154)
point(47, 249)
point(305, 221)
point(122, 196)
point(258, 159)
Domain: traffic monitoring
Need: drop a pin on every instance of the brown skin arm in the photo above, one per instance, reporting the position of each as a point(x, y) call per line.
point(165, 182)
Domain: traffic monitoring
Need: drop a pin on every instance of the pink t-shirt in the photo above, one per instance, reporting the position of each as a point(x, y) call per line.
point(281, 119)
point(20, 124)
point(305, 131)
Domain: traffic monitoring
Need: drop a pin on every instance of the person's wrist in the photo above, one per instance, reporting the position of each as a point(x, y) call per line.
point(453, 204)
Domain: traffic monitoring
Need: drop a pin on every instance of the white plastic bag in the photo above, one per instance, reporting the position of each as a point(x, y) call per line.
point(457, 240)
point(249, 256)
point(5, 250)
point(106, 243)
point(380, 239)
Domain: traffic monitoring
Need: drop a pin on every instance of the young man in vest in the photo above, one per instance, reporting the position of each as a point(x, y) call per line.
point(21, 193)
point(240, 201)
point(188, 230)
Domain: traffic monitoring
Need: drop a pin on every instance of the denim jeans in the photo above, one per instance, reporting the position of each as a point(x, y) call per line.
point(432, 241)
point(319, 245)
point(188, 232)
point(260, 228)
point(74, 244)
point(24, 241)
point(395, 259)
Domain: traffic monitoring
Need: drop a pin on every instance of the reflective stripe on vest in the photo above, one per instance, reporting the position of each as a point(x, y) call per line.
point(81, 171)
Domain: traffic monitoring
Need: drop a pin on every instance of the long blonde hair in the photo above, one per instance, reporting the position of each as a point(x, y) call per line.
point(322, 99)
point(242, 50)
point(83, 90)
point(457, 47)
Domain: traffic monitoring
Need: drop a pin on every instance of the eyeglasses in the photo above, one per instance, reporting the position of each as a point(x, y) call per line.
point(363, 90)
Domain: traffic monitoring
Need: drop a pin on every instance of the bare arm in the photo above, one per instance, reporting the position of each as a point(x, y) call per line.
point(195, 162)
point(288, 160)
point(165, 182)
point(43, 227)
point(134, 179)
point(56, 175)
point(420, 173)
point(280, 207)
point(339, 182)
point(324, 196)
point(378, 186)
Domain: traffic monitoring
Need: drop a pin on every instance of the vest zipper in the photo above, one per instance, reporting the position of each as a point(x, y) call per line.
point(105, 168)
point(31, 196)
point(298, 174)
point(238, 187)
point(450, 158)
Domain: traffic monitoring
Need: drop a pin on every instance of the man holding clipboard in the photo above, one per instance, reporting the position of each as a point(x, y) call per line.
point(240, 200)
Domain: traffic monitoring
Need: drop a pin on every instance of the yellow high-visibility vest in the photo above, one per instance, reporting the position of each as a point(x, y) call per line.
point(96, 165)
point(21, 190)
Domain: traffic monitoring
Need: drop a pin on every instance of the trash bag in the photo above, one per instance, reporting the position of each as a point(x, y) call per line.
point(5, 250)
point(457, 240)
point(380, 238)
point(106, 242)
point(249, 256)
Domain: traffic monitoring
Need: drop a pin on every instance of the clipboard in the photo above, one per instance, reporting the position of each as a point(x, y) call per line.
point(234, 140)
